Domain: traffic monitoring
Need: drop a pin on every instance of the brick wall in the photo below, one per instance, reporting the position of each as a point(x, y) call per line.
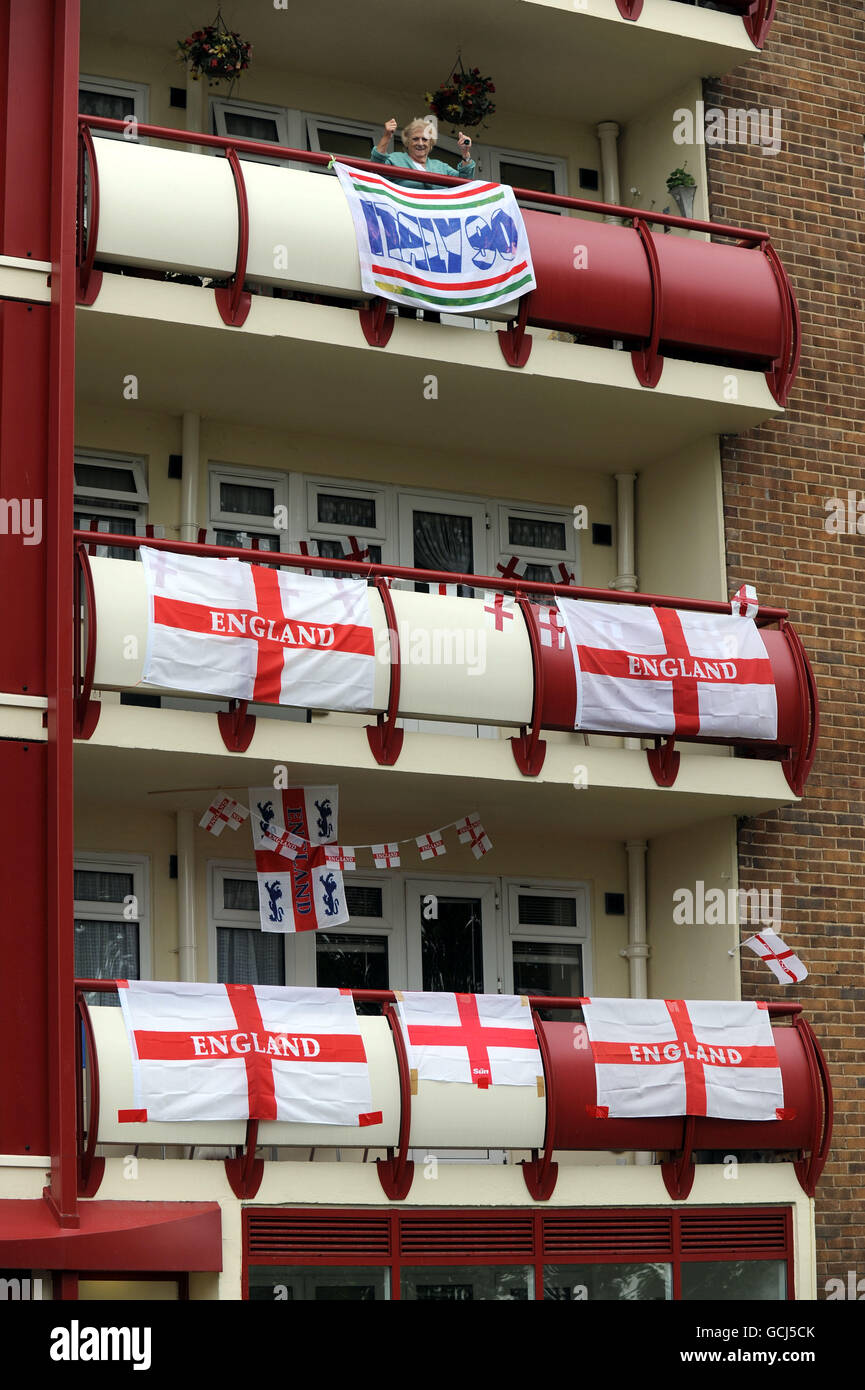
point(777, 480)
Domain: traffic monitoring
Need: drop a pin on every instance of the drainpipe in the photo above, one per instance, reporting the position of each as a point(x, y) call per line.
point(191, 452)
point(186, 895)
point(608, 134)
point(626, 579)
point(637, 950)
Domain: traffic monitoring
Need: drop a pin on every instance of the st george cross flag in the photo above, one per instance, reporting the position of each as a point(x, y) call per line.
point(681, 1057)
point(484, 1039)
point(471, 832)
point(222, 811)
point(295, 824)
point(386, 856)
point(341, 857)
point(252, 632)
point(462, 249)
point(784, 964)
point(665, 671)
point(431, 846)
point(237, 1052)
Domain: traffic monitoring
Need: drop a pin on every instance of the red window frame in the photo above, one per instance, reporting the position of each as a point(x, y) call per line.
point(337, 1236)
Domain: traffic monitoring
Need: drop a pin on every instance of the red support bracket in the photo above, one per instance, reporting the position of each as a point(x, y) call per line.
point(529, 748)
point(648, 363)
point(678, 1172)
point(783, 373)
point(541, 1173)
point(377, 323)
point(91, 1168)
point(797, 767)
point(515, 343)
point(245, 1172)
point(236, 726)
point(86, 710)
point(396, 1172)
point(232, 300)
point(759, 21)
point(664, 761)
point(385, 739)
point(630, 9)
point(88, 280)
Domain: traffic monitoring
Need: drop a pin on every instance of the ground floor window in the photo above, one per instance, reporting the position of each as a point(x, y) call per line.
point(584, 1255)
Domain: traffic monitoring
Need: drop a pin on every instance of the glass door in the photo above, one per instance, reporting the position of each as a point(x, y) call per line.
point(451, 936)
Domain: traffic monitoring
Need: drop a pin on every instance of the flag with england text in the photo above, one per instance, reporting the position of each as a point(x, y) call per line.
point(462, 250)
point(684, 1057)
point(252, 632)
point(666, 671)
point(300, 887)
point(482, 1039)
point(783, 962)
point(237, 1052)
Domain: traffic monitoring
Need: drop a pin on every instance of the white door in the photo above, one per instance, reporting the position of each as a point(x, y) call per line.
point(451, 936)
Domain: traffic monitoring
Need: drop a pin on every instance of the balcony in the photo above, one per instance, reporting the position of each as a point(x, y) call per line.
point(671, 338)
point(498, 658)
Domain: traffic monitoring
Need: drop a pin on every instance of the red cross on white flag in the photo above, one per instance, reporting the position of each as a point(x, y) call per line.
point(499, 607)
point(784, 964)
point(431, 846)
point(483, 1039)
point(309, 893)
point(744, 603)
point(471, 832)
point(565, 576)
point(515, 568)
point(445, 590)
point(237, 1052)
point(219, 814)
point(352, 550)
point(250, 632)
point(238, 815)
point(282, 842)
point(552, 628)
point(342, 856)
point(386, 856)
point(682, 1057)
point(664, 671)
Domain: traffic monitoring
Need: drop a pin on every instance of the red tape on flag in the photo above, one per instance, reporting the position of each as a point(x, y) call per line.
point(598, 1112)
point(131, 1117)
point(372, 1117)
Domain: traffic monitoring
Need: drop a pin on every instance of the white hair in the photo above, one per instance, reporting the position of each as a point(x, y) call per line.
point(430, 127)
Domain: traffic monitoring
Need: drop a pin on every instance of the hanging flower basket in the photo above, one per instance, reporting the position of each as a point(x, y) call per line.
point(463, 99)
point(216, 53)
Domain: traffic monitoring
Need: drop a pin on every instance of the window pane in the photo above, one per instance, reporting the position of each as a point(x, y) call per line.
point(545, 967)
point(248, 127)
point(539, 574)
point(246, 499)
point(363, 902)
point(750, 1281)
point(644, 1283)
point(109, 104)
point(443, 542)
point(537, 533)
point(543, 911)
point(468, 1284)
point(106, 951)
point(244, 539)
point(343, 142)
point(245, 956)
point(96, 475)
point(451, 947)
point(240, 894)
point(346, 961)
point(337, 510)
point(527, 176)
point(101, 886)
point(333, 550)
point(293, 1283)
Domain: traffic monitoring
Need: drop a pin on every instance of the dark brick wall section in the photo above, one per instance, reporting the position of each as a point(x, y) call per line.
point(777, 481)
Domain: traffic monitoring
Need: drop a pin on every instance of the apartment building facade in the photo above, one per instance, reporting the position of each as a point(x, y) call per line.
point(188, 361)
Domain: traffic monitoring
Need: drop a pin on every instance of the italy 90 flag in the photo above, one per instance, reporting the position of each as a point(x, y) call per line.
point(462, 249)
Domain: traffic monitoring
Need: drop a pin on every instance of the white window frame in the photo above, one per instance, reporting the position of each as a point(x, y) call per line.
point(220, 520)
point(580, 935)
point(448, 505)
point(112, 863)
point(134, 462)
point(470, 887)
point(288, 124)
point(557, 164)
point(313, 123)
point(138, 93)
point(534, 555)
point(381, 534)
point(220, 916)
point(388, 925)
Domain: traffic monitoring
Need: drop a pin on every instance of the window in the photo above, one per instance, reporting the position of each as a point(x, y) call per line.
point(242, 953)
point(543, 537)
point(106, 96)
point(243, 507)
point(331, 135)
point(359, 955)
point(548, 930)
point(110, 495)
point(247, 121)
point(111, 920)
point(337, 510)
point(542, 173)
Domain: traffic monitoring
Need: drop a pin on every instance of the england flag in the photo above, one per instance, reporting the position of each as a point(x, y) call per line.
point(479, 1039)
point(295, 824)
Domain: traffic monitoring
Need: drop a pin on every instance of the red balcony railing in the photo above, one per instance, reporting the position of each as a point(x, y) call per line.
point(657, 295)
point(572, 1124)
point(552, 667)
point(757, 15)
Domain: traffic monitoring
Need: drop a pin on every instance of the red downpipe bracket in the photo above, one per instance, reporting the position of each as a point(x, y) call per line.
point(759, 21)
point(245, 1172)
point(236, 726)
point(541, 1173)
point(385, 739)
point(648, 363)
point(376, 323)
point(89, 281)
point(664, 761)
point(396, 1172)
point(232, 300)
point(529, 748)
point(515, 343)
point(86, 711)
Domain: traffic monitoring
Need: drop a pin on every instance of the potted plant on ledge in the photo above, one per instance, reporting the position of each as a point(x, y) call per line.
point(683, 187)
